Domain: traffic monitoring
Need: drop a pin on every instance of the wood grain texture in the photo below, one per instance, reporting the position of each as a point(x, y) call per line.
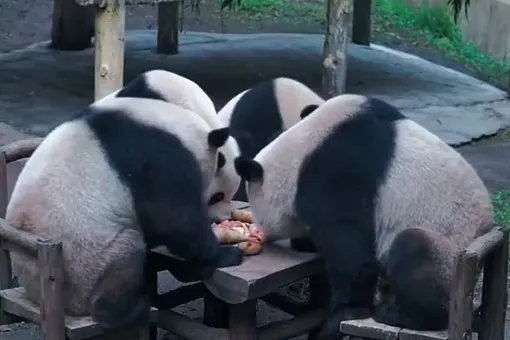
point(109, 63)
point(339, 15)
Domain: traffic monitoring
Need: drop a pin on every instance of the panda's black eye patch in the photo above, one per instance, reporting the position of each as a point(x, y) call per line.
point(216, 198)
point(221, 161)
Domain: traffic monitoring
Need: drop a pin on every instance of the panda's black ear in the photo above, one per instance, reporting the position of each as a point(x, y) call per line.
point(307, 110)
point(218, 137)
point(221, 161)
point(248, 169)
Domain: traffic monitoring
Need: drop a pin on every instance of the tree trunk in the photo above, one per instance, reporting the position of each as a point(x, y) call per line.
point(335, 47)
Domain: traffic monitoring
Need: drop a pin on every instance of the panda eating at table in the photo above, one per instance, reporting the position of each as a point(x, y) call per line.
point(379, 195)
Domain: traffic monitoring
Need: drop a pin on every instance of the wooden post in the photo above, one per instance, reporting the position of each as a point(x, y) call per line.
point(494, 294)
point(339, 14)
point(110, 29)
point(243, 321)
point(6, 280)
point(215, 311)
point(320, 296)
point(461, 299)
point(51, 264)
point(361, 22)
point(168, 27)
point(151, 280)
point(73, 25)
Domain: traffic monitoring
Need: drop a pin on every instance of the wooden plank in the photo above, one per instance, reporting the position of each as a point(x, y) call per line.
point(51, 264)
point(361, 22)
point(73, 25)
point(285, 303)
point(409, 334)
point(168, 27)
point(109, 63)
point(242, 321)
point(335, 47)
point(287, 329)
point(15, 238)
point(257, 276)
point(187, 328)
point(14, 301)
point(370, 329)
point(180, 296)
point(20, 149)
point(461, 299)
point(494, 293)
point(484, 244)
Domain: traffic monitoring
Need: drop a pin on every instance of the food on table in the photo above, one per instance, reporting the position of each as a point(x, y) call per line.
point(248, 237)
point(243, 215)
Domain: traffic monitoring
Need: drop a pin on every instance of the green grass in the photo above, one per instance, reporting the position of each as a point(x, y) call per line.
point(421, 25)
point(501, 201)
point(435, 27)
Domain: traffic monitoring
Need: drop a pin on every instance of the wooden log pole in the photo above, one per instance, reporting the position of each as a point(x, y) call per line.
point(494, 293)
point(51, 265)
point(461, 299)
point(361, 22)
point(109, 65)
point(73, 25)
point(168, 27)
point(339, 15)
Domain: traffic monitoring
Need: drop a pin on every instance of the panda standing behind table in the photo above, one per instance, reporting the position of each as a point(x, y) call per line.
point(124, 175)
point(378, 194)
point(176, 89)
point(258, 115)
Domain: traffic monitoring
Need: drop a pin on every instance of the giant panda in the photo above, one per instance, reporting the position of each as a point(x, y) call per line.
point(258, 115)
point(378, 194)
point(176, 89)
point(123, 176)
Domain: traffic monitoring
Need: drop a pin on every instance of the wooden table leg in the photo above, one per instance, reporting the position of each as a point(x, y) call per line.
point(215, 311)
point(243, 321)
point(151, 280)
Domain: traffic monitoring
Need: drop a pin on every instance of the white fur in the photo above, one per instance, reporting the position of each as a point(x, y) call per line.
point(292, 96)
point(67, 191)
point(453, 196)
point(182, 91)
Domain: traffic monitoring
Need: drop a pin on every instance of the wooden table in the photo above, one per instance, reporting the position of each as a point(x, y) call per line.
point(231, 294)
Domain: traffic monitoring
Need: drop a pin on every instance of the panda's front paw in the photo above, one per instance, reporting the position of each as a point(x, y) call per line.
point(229, 256)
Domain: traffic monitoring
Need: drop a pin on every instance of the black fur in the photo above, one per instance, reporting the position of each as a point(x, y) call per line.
point(115, 306)
point(139, 88)
point(420, 300)
point(307, 110)
point(166, 185)
point(221, 161)
point(218, 137)
point(248, 169)
point(337, 187)
point(257, 115)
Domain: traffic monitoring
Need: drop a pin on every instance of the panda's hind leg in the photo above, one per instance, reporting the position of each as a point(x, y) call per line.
point(419, 271)
point(120, 297)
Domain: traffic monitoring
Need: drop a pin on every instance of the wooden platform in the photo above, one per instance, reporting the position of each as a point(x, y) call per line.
point(14, 301)
point(260, 275)
point(370, 329)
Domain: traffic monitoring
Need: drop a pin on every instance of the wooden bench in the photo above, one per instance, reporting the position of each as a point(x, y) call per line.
point(491, 252)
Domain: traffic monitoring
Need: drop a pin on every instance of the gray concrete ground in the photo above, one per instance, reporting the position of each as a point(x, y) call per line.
point(39, 88)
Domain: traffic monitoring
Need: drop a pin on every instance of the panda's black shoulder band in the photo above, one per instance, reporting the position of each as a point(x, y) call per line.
point(248, 169)
point(218, 137)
